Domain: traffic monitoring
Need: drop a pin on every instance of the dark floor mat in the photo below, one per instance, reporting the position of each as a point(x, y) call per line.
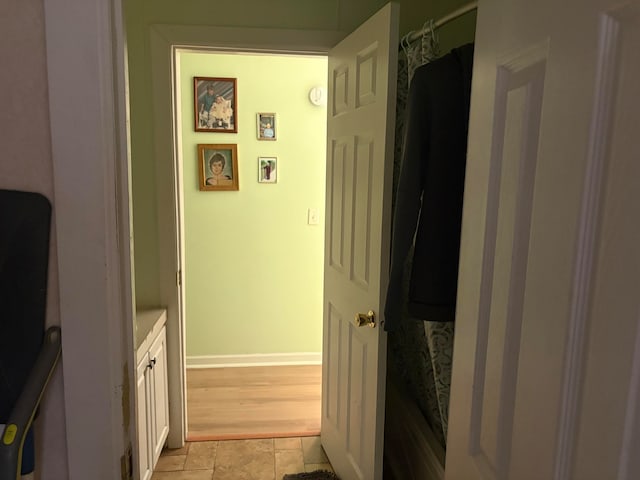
point(317, 475)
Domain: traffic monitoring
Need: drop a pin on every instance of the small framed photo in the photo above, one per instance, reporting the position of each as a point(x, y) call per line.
point(218, 166)
point(267, 169)
point(215, 104)
point(266, 126)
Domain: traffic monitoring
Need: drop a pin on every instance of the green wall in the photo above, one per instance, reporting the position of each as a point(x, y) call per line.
point(337, 15)
point(254, 267)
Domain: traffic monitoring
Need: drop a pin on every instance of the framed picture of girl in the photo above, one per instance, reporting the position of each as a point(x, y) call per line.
point(218, 167)
point(215, 104)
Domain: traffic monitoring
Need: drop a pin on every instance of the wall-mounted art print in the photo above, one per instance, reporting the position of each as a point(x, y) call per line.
point(266, 126)
point(218, 167)
point(215, 104)
point(267, 169)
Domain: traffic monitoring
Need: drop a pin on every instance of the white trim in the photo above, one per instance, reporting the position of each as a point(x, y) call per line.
point(254, 360)
point(628, 454)
point(162, 69)
point(575, 361)
point(85, 63)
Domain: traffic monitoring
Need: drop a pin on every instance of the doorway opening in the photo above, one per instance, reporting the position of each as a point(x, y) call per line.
point(252, 257)
point(362, 77)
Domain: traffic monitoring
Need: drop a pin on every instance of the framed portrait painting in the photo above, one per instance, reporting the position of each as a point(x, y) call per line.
point(218, 167)
point(215, 104)
point(267, 169)
point(266, 126)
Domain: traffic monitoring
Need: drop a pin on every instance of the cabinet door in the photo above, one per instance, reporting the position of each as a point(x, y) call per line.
point(144, 453)
point(159, 395)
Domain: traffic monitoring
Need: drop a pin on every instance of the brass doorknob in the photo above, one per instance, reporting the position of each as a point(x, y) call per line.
point(365, 319)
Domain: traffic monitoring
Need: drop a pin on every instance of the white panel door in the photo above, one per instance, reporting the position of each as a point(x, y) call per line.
point(546, 371)
point(361, 119)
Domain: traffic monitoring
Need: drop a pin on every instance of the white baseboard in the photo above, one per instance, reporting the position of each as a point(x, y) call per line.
point(254, 360)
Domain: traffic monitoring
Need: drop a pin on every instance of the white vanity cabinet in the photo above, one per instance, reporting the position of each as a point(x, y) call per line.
point(152, 398)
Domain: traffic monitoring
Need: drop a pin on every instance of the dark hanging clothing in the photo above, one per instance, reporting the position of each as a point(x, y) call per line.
point(430, 190)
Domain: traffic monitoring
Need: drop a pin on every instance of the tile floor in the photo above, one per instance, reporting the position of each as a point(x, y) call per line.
point(267, 459)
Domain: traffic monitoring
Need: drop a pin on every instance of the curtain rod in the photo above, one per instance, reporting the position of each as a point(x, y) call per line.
point(415, 35)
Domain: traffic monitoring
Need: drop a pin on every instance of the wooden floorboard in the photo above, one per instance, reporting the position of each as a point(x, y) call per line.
point(253, 402)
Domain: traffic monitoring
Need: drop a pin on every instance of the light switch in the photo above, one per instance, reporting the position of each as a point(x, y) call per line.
point(313, 217)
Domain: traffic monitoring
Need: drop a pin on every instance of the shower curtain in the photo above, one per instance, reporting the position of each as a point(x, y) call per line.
point(420, 353)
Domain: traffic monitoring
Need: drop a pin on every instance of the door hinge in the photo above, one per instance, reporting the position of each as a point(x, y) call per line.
point(179, 278)
point(126, 465)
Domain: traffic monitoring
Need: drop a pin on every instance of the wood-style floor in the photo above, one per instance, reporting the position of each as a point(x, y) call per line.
point(253, 402)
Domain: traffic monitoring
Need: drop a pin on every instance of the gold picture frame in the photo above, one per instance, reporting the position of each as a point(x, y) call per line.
point(266, 124)
point(218, 167)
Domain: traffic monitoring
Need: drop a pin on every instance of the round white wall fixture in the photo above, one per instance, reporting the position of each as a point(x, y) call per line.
point(318, 96)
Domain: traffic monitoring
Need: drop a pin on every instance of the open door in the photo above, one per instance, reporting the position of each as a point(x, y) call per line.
point(361, 122)
point(546, 371)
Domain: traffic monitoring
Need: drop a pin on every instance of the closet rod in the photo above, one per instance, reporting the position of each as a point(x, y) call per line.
point(413, 36)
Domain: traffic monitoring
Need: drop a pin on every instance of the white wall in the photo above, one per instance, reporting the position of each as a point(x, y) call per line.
point(25, 164)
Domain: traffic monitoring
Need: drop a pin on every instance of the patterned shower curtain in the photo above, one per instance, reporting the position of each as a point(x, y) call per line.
point(420, 353)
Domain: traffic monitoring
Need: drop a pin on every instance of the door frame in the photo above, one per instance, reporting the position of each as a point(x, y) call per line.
point(87, 83)
point(166, 43)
